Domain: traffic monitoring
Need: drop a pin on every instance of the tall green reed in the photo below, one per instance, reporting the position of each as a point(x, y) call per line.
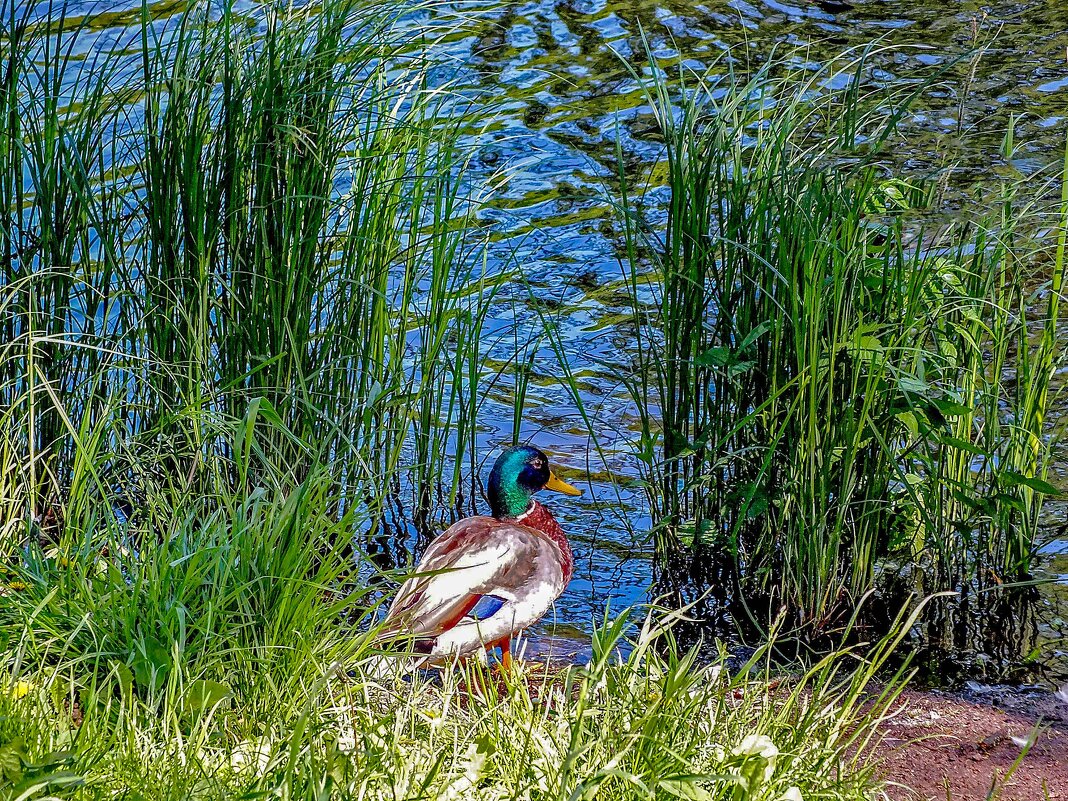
point(57, 187)
point(810, 340)
point(230, 206)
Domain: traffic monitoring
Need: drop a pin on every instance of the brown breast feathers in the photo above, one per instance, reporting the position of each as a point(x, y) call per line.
point(542, 519)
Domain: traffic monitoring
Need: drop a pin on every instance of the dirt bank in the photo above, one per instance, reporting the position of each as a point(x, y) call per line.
point(943, 746)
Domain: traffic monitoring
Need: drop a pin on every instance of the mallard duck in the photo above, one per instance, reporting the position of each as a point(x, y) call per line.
point(486, 578)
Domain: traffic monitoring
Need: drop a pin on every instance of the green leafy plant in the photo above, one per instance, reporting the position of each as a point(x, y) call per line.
point(826, 381)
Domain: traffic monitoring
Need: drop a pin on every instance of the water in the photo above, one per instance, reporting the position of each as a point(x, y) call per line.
point(561, 72)
point(558, 74)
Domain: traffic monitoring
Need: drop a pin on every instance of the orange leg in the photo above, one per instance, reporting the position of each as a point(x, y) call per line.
point(505, 644)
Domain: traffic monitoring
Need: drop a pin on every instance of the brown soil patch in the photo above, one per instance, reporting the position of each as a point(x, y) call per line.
point(939, 746)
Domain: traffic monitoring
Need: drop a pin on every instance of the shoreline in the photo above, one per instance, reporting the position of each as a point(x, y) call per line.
point(942, 744)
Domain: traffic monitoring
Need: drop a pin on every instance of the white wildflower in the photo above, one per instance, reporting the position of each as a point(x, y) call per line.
point(346, 737)
point(460, 787)
point(251, 754)
point(757, 745)
point(793, 794)
point(755, 756)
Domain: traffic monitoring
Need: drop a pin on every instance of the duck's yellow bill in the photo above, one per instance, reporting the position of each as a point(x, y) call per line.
point(556, 485)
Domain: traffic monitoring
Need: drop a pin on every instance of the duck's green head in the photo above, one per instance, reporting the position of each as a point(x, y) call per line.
point(517, 474)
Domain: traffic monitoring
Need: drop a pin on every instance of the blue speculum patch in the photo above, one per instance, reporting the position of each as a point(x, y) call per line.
point(487, 606)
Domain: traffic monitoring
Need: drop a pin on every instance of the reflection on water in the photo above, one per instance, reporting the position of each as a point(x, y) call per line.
point(558, 76)
point(561, 73)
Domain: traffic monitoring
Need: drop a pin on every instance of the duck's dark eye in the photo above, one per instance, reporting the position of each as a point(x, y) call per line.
point(530, 477)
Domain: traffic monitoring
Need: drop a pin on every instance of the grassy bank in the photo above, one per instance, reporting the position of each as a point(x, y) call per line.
point(218, 654)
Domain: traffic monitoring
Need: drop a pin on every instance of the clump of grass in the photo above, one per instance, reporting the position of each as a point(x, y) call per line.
point(235, 205)
point(226, 590)
point(653, 724)
point(214, 645)
point(825, 380)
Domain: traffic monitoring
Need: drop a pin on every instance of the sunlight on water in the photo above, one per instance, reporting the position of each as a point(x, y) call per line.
point(557, 75)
